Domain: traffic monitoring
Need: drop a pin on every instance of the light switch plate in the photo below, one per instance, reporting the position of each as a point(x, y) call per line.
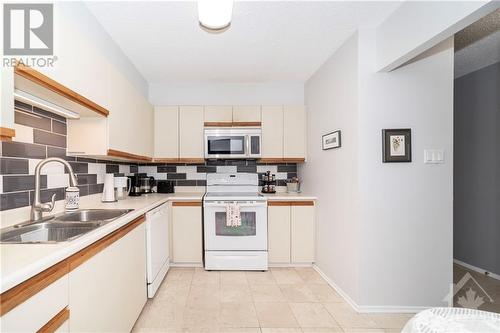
point(433, 156)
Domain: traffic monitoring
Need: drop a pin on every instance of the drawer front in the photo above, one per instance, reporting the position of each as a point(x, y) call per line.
point(39, 309)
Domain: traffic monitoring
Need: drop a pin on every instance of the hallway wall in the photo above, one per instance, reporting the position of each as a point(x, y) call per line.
point(477, 169)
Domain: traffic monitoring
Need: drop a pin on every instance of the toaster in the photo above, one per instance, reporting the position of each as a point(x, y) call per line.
point(164, 186)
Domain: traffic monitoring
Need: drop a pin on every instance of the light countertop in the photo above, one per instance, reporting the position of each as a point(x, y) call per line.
point(285, 196)
point(19, 262)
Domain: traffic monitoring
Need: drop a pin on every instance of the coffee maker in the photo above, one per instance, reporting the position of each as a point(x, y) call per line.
point(135, 186)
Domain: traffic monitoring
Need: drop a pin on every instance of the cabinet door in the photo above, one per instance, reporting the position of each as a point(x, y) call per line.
point(278, 233)
point(166, 128)
point(186, 234)
point(108, 292)
point(294, 133)
point(302, 222)
point(219, 114)
point(272, 132)
point(191, 132)
point(38, 310)
point(246, 114)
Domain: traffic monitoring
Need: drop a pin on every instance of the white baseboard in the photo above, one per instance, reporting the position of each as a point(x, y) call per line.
point(368, 308)
point(476, 269)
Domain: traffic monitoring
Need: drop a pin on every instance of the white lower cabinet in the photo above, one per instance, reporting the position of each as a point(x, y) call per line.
point(302, 234)
point(278, 234)
point(291, 229)
point(38, 310)
point(187, 246)
point(108, 291)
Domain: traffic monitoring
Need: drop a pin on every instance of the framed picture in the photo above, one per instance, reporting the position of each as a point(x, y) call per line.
point(331, 140)
point(396, 145)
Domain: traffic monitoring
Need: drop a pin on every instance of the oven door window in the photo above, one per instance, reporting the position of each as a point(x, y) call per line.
point(226, 145)
point(248, 225)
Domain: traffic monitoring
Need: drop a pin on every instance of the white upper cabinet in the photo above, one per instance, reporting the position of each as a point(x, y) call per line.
point(219, 113)
point(191, 132)
point(294, 132)
point(272, 132)
point(247, 114)
point(166, 132)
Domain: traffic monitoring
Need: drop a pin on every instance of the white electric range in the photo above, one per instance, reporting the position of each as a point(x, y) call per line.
point(228, 247)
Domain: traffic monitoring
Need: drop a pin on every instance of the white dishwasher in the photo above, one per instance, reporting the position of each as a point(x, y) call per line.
point(157, 240)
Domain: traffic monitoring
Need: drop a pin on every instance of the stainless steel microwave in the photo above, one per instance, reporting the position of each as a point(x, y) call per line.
point(233, 143)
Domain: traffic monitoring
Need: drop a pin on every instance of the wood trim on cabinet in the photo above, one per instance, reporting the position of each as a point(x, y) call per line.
point(232, 124)
point(278, 203)
point(13, 297)
point(6, 134)
point(129, 156)
point(55, 322)
point(186, 204)
point(52, 85)
point(217, 124)
point(247, 124)
point(290, 203)
point(302, 203)
point(294, 160)
point(16, 295)
point(83, 255)
point(192, 160)
point(166, 160)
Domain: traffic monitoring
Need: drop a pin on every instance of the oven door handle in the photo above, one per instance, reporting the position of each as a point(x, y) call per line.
point(242, 204)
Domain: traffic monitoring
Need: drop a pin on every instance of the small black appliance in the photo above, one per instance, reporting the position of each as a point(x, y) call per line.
point(164, 186)
point(135, 186)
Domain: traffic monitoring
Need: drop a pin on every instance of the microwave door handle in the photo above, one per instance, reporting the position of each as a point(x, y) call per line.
point(247, 139)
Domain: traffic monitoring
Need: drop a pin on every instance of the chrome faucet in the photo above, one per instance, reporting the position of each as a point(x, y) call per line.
point(37, 207)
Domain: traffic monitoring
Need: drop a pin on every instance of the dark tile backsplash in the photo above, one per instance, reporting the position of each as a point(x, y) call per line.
point(21, 149)
point(59, 127)
point(13, 166)
point(49, 139)
point(32, 120)
point(18, 160)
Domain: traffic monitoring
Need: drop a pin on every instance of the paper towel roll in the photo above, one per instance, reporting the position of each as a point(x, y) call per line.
point(108, 193)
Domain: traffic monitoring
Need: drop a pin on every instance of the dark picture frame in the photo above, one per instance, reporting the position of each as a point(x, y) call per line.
point(331, 140)
point(396, 145)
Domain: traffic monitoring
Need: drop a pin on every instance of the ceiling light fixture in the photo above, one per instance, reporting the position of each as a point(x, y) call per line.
point(36, 101)
point(215, 14)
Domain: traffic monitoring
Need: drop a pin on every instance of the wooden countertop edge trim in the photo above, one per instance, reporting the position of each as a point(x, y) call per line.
point(55, 322)
point(186, 204)
point(23, 291)
point(125, 155)
point(290, 203)
point(232, 124)
point(52, 85)
point(6, 134)
point(16, 295)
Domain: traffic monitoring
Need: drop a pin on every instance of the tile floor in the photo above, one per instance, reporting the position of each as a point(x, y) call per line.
point(284, 300)
point(490, 300)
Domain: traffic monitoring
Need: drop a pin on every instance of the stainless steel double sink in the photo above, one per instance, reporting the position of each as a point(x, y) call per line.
point(61, 227)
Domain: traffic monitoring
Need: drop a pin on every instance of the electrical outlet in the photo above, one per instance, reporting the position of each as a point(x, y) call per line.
point(433, 156)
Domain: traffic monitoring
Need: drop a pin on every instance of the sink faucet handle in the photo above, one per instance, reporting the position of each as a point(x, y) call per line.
point(47, 207)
